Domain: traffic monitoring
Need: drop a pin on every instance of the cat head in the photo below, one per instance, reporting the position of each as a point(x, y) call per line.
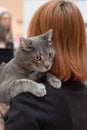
point(37, 53)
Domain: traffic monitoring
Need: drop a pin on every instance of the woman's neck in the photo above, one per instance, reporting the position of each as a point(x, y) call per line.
point(2, 45)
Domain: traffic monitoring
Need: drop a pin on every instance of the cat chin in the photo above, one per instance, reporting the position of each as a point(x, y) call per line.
point(43, 70)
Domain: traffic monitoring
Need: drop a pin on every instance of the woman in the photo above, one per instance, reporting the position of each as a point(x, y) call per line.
point(52, 112)
point(5, 20)
point(6, 54)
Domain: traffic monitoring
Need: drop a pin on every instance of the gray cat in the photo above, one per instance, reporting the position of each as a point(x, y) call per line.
point(33, 59)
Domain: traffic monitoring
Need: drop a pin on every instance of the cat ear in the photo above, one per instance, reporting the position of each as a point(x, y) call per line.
point(48, 36)
point(26, 44)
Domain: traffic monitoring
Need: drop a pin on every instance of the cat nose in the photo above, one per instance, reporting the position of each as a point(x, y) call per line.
point(47, 66)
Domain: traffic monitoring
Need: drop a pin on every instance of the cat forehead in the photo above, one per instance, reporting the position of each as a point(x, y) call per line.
point(40, 45)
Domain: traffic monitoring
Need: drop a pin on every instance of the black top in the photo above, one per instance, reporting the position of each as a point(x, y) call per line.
point(5, 55)
point(63, 109)
point(28, 112)
point(76, 96)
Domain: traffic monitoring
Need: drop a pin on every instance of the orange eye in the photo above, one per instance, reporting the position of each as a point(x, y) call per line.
point(50, 55)
point(37, 58)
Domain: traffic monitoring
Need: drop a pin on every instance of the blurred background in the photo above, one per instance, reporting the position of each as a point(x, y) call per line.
point(20, 13)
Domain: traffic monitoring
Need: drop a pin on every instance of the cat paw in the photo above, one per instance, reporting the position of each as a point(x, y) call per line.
point(56, 83)
point(25, 85)
point(40, 91)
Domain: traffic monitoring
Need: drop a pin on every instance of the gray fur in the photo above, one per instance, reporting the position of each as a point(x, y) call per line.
point(21, 73)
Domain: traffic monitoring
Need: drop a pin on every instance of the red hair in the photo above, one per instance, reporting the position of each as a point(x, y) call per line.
point(68, 37)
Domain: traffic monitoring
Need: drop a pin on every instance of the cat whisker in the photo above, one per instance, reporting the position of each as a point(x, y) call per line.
point(34, 72)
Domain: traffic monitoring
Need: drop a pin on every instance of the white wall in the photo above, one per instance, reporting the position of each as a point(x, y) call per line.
point(82, 5)
point(30, 6)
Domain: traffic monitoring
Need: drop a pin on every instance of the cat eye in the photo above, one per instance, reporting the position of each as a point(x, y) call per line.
point(50, 55)
point(37, 58)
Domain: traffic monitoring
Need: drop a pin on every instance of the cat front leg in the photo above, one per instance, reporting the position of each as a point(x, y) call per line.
point(53, 80)
point(14, 88)
point(25, 85)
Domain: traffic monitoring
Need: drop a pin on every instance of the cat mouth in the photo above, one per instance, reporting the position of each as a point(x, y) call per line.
point(43, 69)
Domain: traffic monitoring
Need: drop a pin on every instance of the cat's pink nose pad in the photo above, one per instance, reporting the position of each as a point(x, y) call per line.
point(47, 67)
